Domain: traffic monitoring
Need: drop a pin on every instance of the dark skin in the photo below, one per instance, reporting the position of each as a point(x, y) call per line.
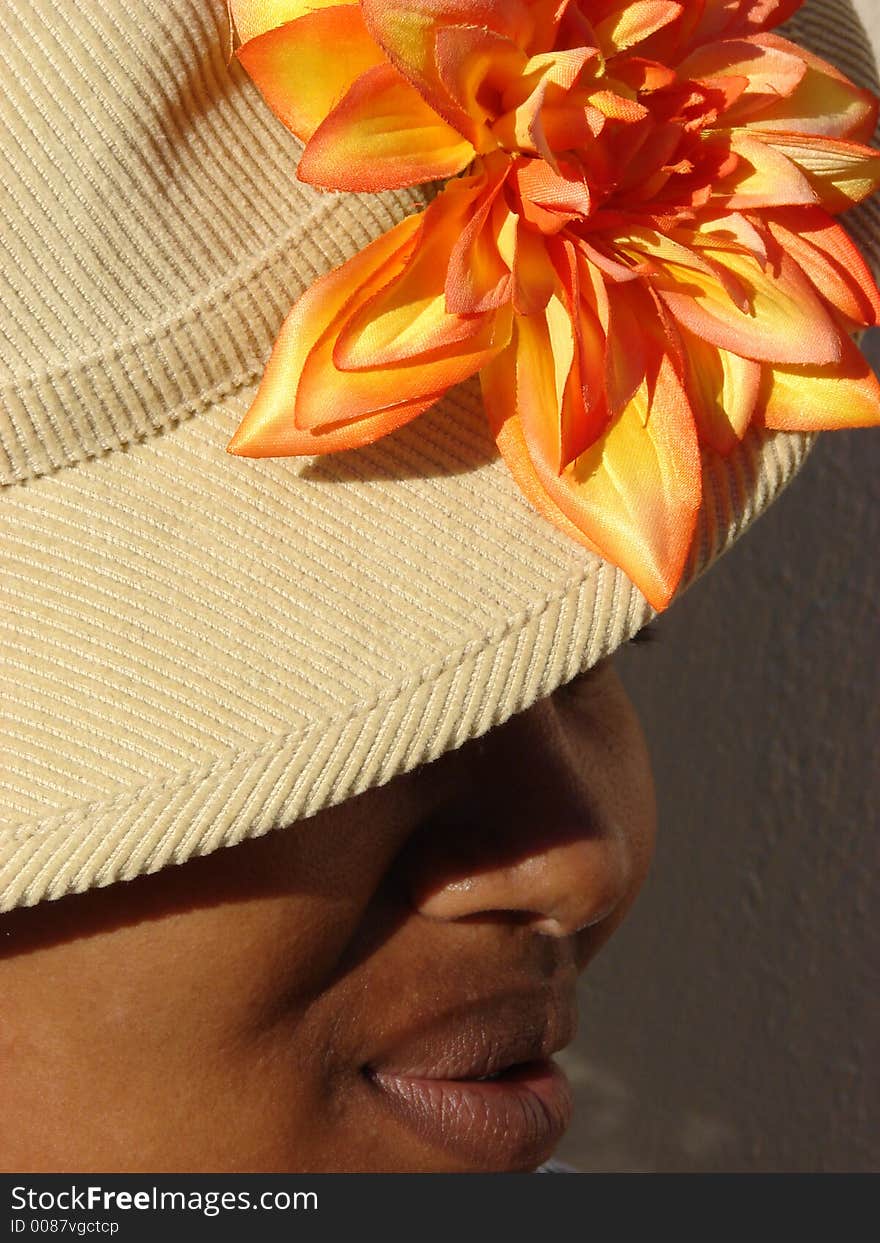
point(225, 1015)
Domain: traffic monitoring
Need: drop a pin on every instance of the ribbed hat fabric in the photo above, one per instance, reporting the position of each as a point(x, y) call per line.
point(198, 648)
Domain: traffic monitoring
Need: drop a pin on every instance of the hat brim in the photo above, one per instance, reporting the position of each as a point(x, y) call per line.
point(202, 648)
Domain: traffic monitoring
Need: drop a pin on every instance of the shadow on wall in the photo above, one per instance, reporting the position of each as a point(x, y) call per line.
point(732, 1024)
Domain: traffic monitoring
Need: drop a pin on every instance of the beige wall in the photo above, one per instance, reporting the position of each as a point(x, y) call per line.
point(733, 1024)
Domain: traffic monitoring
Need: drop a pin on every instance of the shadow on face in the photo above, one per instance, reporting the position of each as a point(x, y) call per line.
point(378, 987)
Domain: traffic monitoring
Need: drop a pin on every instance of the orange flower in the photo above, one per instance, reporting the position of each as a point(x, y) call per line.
point(636, 248)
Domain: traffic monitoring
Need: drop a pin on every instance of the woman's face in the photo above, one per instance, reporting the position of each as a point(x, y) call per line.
point(334, 996)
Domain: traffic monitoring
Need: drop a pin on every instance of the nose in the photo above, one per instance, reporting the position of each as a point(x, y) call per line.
point(557, 888)
point(530, 836)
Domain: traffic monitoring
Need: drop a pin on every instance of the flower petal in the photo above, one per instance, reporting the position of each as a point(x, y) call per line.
point(711, 19)
point(807, 399)
point(560, 369)
point(479, 274)
point(585, 406)
point(498, 385)
point(291, 441)
point(534, 278)
point(823, 251)
point(561, 191)
point(252, 17)
point(783, 319)
point(841, 172)
point(634, 22)
point(635, 493)
point(290, 66)
point(327, 394)
point(770, 73)
point(474, 63)
point(723, 390)
point(764, 177)
point(408, 30)
point(544, 357)
point(625, 358)
point(394, 341)
point(269, 428)
point(382, 136)
point(824, 102)
point(408, 320)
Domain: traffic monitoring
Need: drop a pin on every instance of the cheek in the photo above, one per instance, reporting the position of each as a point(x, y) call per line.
point(193, 1040)
point(174, 1013)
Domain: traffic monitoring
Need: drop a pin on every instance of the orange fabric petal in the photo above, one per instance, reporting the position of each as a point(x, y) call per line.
point(498, 386)
point(764, 177)
point(252, 17)
point(291, 441)
point(534, 278)
point(771, 73)
point(560, 364)
point(327, 393)
point(712, 19)
point(824, 102)
point(561, 190)
point(634, 494)
point(407, 321)
point(633, 23)
point(625, 360)
point(395, 341)
point(290, 66)
point(544, 359)
point(479, 274)
point(408, 30)
point(269, 428)
point(822, 250)
point(783, 319)
point(841, 172)
point(585, 405)
point(807, 399)
point(382, 136)
point(474, 63)
point(723, 390)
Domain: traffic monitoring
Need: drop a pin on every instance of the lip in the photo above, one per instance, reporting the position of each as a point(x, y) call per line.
point(434, 1081)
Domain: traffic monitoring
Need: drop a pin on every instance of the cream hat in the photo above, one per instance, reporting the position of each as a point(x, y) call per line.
point(199, 648)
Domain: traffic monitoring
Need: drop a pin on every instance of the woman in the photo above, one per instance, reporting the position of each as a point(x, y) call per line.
point(385, 653)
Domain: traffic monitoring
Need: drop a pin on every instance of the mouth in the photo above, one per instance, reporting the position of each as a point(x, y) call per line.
point(481, 1084)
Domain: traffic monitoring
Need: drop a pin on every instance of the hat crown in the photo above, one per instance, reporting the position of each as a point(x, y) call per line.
point(154, 231)
point(118, 135)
